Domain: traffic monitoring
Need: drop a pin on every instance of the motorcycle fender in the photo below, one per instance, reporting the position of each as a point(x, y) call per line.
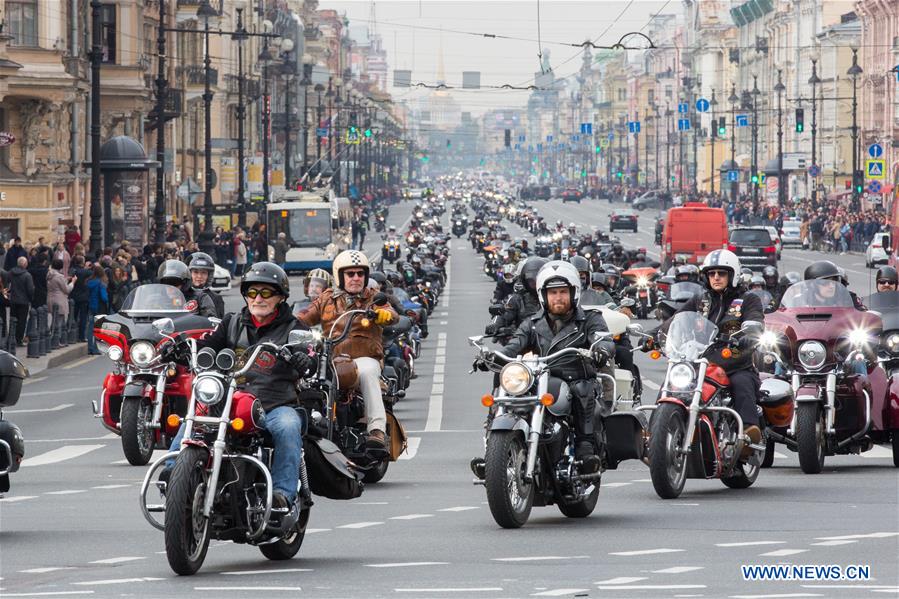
point(196, 443)
point(624, 437)
point(136, 390)
point(511, 422)
point(808, 393)
point(673, 400)
point(893, 397)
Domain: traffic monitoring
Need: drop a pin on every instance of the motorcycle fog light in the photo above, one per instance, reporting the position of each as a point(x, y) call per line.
point(812, 354)
point(681, 376)
point(515, 378)
point(115, 353)
point(142, 353)
point(642, 281)
point(893, 343)
point(208, 390)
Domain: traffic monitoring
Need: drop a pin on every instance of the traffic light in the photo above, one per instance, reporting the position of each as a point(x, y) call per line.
point(755, 179)
point(858, 181)
point(448, 143)
point(598, 149)
point(508, 138)
point(367, 133)
point(800, 120)
point(618, 174)
point(722, 126)
point(714, 128)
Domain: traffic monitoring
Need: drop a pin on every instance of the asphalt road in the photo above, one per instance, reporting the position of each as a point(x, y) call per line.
point(71, 524)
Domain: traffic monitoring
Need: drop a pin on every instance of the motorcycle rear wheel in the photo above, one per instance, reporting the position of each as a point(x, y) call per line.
point(509, 497)
point(376, 473)
point(667, 466)
point(582, 508)
point(138, 439)
point(186, 529)
point(810, 437)
point(287, 547)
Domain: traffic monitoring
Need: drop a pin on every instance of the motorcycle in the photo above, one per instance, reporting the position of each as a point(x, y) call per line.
point(459, 228)
point(391, 251)
point(529, 457)
point(143, 390)
point(221, 485)
point(694, 432)
point(886, 303)
point(816, 342)
point(676, 297)
point(12, 443)
point(641, 289)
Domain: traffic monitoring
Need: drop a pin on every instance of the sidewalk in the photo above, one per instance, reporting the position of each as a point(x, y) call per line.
point(54, 359)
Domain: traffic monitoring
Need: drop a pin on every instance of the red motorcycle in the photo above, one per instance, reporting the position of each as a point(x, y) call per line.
point(142, 390)
point(825, 348)
point(886, 303)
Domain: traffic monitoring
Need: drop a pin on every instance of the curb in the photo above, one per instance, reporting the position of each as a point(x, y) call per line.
point(54, 360)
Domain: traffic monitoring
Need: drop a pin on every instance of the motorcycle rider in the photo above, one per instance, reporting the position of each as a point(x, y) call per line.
point(686, 273)
point(613, 279)
point(599, 285)
point(364, 345)
point(726, 303)
point(827, 270)
point(585, 272)
point(202, 268)
point(887, 279)
point(505, 286)
point(521, 304)
point(560, 324)
point(314, 283)
point(177, 274)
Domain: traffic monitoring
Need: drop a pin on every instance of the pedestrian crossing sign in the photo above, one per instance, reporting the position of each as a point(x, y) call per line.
point(875, 169)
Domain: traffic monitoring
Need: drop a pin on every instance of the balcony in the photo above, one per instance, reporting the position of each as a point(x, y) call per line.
point(195, 75)
point(187, 9)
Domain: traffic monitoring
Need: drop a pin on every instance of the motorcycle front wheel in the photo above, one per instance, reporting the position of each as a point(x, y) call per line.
point(376, 473)
point(810, 437)
point(510, 498)
point(289, 545)
point(138, 437)
point(186, 529)
point(667, 465)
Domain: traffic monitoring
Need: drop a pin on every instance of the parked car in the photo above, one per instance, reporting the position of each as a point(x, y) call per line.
point(775, 235)
point(790, 232)
point(623, 218)
point(753, 246)
point(221, 279)
point(571, 195)
point(878, 250)
point(649, 199)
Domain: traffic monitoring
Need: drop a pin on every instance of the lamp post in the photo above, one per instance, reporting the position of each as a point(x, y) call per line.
point(779, 88)
point(636, 151)
point(206, 12)
point(656, 124)
point(96, 54)
point(854, 71)
point(289, 69)
point(319, 88)
point(814, 80)
point(714, 136)
point(306, 82)
point(733, 138)
point(161, 95)
point(755, 140)
point(668, 113)
point(265, 58)
point(240, 35)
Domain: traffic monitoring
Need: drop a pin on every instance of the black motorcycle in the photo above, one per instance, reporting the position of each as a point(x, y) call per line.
point(459, 228)
point(12, 443)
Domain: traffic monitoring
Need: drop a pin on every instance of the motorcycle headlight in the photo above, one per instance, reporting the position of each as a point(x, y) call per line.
point(208, 390)
point(115, 353)
point(142, 353)
point(892, 343)
point(859, 337)
point(812, 354)
point(768, 339)
point(515, 378)
point(681, 377)
point(410, 239)
point(642, 281)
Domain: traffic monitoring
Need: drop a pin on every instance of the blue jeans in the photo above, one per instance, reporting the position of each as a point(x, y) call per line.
point(286, 428)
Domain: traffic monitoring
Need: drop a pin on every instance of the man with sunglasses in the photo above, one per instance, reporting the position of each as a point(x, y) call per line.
point(887, 279)
point(364, 345)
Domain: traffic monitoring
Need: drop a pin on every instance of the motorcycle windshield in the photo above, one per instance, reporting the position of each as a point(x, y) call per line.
point(763, 295)
point(689, 335)
point(683, 291)
point(887, 304)
point(817, 293)
point(155, 299)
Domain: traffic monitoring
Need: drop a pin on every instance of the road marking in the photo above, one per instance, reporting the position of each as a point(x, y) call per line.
point(80, 362)
point(450, 590)
point(440, 351)
point(873, 535)
point(613, 485)
point(783, 552)
point(622, 580)
point(411, 517)
point(48, 594)
point(117, 560)
point(412, 444)
point(834, 543)
point(360, 525)
point(439, 360)
point(248, 589)
point(435, 403)
point(66, 492)
point(749, 543)
point(269, 571)
point(780, 456)
point(459, 508)
point(651, 385)
point(406, 564)
point(115, 581)
point(311, 531)
point(75, 439)
point(650, 587)
point(438, 379)
point(17, 498)
point(678, 570)
point(157, 453)
point(61, 391)
point(646, 551)
point(45, 570)
point(61, 454)
point(779, 596)
point(873, 587)
point(33, 381)
point(877, 452)
point(642, 480)
point(110, 486)
point(560, 592)
point(539, 558)
point(58, 408)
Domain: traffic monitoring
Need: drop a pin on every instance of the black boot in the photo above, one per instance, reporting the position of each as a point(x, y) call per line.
point(585, 454)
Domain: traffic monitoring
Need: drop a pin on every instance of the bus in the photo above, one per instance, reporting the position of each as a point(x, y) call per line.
point(317, 225)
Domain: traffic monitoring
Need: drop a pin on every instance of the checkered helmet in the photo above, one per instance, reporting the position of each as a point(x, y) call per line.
point(349, 259)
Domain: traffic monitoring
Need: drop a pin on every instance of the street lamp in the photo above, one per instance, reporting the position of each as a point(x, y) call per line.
point(288, 68)
point(733, 99)
point(668, 113)
point(306, 82)
point(754, 95)
point(814, 80)
point(319, 88)
point(714, 136)
point(207, 14)
point(854, 71)
point(265, 58)
point(240, 36)
point(96, 54)
point(779, 88)
point(161, 95)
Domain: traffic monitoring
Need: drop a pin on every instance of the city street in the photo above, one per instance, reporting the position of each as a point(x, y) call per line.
point(71, 524)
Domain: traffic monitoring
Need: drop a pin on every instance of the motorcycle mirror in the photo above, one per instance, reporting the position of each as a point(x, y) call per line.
point(165, 326)
point(300, 336)
point(380, 299)
point(627, 302)
point(635, 329)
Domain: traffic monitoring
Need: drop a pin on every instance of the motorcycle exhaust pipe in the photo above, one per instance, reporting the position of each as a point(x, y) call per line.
point(831, 394)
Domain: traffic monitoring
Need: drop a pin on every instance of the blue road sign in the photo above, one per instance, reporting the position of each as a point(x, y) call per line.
point(683, 124)
point(683, 107)
point(611, 136)
point(521, 138)
point(633, 126)
point(874, 186)
point(875, 150)
point(702, 105)
point(539, 147)
point(814, 170)
point(742, 120)
point(733, 175)
point(322, 131)
point(549, 138)
point(587, 128)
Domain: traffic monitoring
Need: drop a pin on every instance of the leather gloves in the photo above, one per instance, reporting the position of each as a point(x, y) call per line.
point(382, 316)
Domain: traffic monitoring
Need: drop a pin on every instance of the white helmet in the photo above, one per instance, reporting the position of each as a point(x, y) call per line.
point(349, 259)
point(724, 260)
point(559, 273)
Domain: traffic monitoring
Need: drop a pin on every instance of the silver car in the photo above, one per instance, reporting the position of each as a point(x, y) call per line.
point(790, 232)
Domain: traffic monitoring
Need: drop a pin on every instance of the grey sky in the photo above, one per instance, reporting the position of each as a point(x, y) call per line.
point(412, 35)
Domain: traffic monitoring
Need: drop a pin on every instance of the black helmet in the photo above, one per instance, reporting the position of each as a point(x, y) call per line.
point(529, 272)
point(268, 273)
point(378, 276)
point(581, 264)
point(174, 273)
point(201, 261)
point(822, 269)
point(599, 278)
point(11, 433)
point(887, 273)
point(770, 275)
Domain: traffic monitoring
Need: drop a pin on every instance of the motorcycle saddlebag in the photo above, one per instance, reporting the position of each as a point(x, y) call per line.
point(12, 373)
point(776, 399)
point(624, 437)
point(397, 435)
point(346, 372)
point(329, 471)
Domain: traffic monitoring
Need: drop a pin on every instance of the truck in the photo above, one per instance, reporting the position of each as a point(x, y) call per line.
point(691, 232)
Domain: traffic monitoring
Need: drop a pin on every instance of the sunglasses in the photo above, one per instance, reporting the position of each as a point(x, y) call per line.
point(885, 282)
point(266, 293)
point(718, 273)
point(354, 273)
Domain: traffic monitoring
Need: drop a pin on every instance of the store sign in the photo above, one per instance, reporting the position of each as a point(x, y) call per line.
point(6, 139)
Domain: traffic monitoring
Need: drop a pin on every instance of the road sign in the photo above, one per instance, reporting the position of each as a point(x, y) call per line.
point(587, 128)
point(521, 138)
point(874, 186)
point(539, 147)
point(321, 131)
point(683, 124)
point(517, 146)
point(549, 138)
point(604, 143)
point(702, 105)
point(683, 107)
point(611, 136)
point(733, 175)
point(875, 150)
point(742, 120)
point(814, 170)
point(875, 169)
point(633, 127)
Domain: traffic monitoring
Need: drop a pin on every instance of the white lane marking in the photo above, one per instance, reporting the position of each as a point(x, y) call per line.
point(45, 570)
point(780, 456)
point(622, 580)
point(649, 587)
point(678, 570)
point(157, 453)
point(559, 592)
point(310, 531)
point(613, 485)
point(66, 492)
point(749, 543)
point(438, 379)
point(778, 596)
point(110, 486)
point(412, 444)
point(17, 498)
point(270, 571)
point(539, 558)
point(435, 403)
point(783, 552)
point(117, 560)
point(443, 322)
point(248, 589)
point(441, 360)
point(651, 385)
point(406, 564)
point(411, 517)
point(443, 314)
point(62, 391)
point(440, 351)
point(459, 508)
point(360, 525)
point(873, 535)
point(877, 453)
point(450, 590)
point(60, 454)
point(48, 594)
point(834, 543)
point(642, 480)
point(872, 587)
point(75, 439)
point(88, 583)
point(78, 363)
point(58, 408)
point(373, 503)
point(439, 368)
point(646, 551)
point(33, 381)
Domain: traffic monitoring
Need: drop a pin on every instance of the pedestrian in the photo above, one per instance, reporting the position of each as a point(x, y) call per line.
point(240, 254)
point(39, 269)
point(21, 293)
point(260, 245)
point(80, 294)
point(281, 248)
point(60, 252)
point(98, 303)
point(13, 254)
point(59, 287)
point(73, 238)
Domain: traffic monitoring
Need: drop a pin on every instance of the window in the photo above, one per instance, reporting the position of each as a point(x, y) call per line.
point(108, 32)
point(21, 22)
point(621, 94)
